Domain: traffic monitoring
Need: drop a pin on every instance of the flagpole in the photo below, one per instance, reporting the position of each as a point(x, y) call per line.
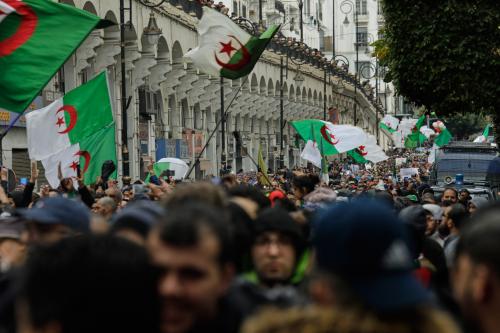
point(263, 173)
point(223, 117)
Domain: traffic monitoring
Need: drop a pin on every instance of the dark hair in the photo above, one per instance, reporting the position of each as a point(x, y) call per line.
point(182, 227)
point(479, 238)
point(458, 214)
point(451, 189)
point(308, 182)
point(241, 226)
point(91, 284)
point(251, 193)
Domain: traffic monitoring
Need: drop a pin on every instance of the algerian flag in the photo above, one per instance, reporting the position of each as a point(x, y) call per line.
point(428, 132)
point(368, 152)
point(333, 139)
point(89, 154)
point(68, 120)
point(484, 137)
point(225, 49)
point(444, 136)
point(389, 123)
point(416, 138)
point(36, 39)
point(158, 169)
point(311, 153)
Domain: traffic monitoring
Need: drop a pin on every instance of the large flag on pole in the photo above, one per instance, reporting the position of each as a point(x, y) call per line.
point(36, 39)
point(333, 139)
point(88, 155)
point(79, 114)
point(225, 49)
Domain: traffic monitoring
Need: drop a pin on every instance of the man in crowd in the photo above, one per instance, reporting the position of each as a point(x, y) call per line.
point(192, 250)
point(450, 197)
point(454, 217)
point(88, 284)
point(53, 219)
point(366, 263)
point(105, 207)
point(476, 277)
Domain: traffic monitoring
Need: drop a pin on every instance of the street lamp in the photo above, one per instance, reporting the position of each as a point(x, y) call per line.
point(152, 32)
point(346, 7)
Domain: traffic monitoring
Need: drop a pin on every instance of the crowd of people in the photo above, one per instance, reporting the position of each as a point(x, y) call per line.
point(367, 251)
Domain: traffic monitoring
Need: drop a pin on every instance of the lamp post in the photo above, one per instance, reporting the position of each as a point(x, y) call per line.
point(346, 7)
point(301, 23)
point(153, 33)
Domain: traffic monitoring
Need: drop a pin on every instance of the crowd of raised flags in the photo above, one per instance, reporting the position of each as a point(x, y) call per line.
point(76, 133)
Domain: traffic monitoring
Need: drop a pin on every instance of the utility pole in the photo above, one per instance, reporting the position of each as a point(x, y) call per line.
point(324, 93)
point(356, 67)
point(333, 29)
point(282, 160)
point(123, 97)
point(223, 127)
point(301, 6)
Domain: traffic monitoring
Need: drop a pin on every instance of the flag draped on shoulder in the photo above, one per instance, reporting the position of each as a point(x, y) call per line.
point(330, 139)
point(225, 49)
point(80, 113)
point(36, 39)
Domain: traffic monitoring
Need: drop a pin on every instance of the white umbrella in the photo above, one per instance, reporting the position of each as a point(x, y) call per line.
point(179, 167)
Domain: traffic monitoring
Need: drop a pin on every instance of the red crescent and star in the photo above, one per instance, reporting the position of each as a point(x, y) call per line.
point(86, 155)
point(362, 150)
point(73, 117)
point(25, 30)
point(228, 49)
point(328, 136)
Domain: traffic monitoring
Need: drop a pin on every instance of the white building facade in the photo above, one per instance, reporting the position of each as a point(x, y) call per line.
point(173, 107)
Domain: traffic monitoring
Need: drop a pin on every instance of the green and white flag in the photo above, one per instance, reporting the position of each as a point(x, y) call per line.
point(331, 139)
point(368, 152)
point(36, 39)
point(416, 138)
point(89, 155)
point(389, 123)
point(224, 48)
point(311, 153)
point(158, 168)
point(79, 114)
point(486, 133)
point(443, 135)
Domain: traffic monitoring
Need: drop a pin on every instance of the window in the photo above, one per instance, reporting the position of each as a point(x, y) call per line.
point(244, 11)
point(235, 7)
point(361, 7)
point(362, 37)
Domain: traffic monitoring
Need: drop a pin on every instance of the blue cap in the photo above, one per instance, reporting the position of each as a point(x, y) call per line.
point(59, 210)
point(364, 243)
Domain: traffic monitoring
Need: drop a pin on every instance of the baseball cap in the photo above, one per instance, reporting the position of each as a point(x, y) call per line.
point(59, 210)
point(364, 243)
